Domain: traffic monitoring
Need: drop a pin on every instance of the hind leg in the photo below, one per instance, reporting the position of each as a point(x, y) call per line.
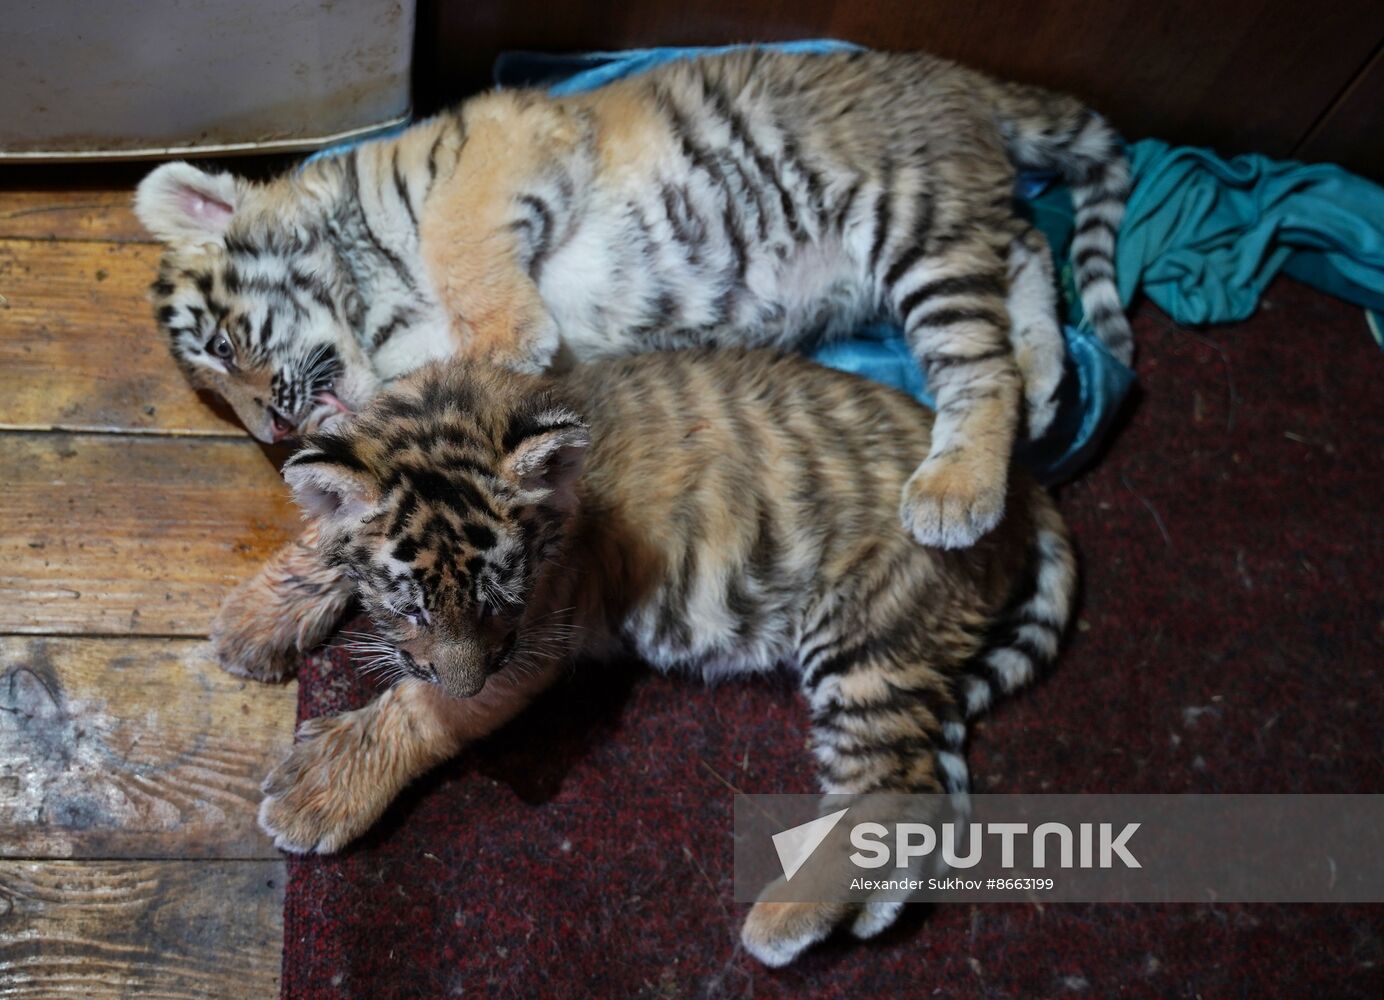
point(1035, 332)
point(951, 303)
point(882, 723)
point(268, 621)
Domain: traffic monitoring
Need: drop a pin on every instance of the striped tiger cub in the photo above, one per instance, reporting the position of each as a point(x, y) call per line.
point(716, 513)
point(751, 198)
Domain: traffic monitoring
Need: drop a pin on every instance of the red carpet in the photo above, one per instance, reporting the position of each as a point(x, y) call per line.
point(1228, 642)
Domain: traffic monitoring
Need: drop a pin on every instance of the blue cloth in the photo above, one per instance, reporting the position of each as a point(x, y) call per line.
point(1095, 383)
point(1203, 236)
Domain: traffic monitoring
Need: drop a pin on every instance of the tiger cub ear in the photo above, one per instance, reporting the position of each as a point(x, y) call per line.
point(180, 204)
point(544, 453)
point(329, 482)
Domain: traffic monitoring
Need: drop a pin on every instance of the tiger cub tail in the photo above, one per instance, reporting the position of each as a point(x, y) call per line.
point(1054, 132)
point(1023, 638)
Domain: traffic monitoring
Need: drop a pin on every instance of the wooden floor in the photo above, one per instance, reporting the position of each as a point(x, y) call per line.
point(130, 864)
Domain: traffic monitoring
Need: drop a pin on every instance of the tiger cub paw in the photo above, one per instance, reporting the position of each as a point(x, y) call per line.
point(873, 918)
point(776, 933)
point(1042, 367)
point(320, 798)
point(247, 637)
point(950, 505)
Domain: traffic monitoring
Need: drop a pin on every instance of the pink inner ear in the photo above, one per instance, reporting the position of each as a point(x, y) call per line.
point(203, 207)
point(317, 501)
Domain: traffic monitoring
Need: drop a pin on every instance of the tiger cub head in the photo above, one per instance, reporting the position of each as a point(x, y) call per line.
point(255, 302)
point(443, 501)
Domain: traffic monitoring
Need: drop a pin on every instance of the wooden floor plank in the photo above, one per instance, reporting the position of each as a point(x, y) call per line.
point(129, 535)
point(94, 214)
point(140, 929)
point(123, 754)
point(133, 748)
point(79, 349)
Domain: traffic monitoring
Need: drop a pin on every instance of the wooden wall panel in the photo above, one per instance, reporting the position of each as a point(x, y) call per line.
point(1234, 74)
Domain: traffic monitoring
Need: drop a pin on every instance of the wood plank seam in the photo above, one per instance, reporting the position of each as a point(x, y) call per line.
point(76, 242)
point(141, 432)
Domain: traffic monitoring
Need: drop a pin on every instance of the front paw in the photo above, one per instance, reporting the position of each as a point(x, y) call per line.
point(1042, 370)
point(1040, 351)
point(321, 797)
point(537, 345)
point(1041, 412)
point(951, 504)
point(776, 933)
point(247, 639)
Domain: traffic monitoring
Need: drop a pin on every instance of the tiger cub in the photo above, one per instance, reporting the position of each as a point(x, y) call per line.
point(753, 198)
point(717, 513)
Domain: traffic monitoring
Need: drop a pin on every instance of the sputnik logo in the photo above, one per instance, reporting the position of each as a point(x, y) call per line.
point(796, 844)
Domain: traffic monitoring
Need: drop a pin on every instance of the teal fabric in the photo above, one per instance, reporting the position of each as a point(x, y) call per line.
point(1203, 236)
point(1095, 383)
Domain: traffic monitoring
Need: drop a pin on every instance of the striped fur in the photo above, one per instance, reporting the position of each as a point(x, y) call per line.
point(718, 513)
point(296, 300)
point(754, 198)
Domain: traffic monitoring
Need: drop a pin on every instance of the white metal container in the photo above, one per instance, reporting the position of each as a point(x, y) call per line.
point(86, 79)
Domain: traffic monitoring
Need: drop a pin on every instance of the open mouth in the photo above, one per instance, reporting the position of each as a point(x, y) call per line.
point(280, 427)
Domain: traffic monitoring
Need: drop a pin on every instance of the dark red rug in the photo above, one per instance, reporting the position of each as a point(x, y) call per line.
point(1229, 641)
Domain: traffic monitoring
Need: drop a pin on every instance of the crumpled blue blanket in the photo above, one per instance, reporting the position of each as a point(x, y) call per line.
point(1203, 236)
